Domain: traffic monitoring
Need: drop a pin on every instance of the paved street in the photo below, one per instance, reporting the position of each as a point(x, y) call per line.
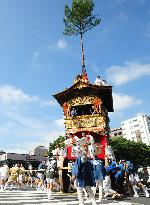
point(32, 197)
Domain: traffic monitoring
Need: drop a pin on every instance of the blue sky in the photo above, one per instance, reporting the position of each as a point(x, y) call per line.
point(37, 60)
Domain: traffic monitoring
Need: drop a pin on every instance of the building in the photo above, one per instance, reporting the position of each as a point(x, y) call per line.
point(116, 132)
point(39, 152)
point(137, 129)
point(38, 155)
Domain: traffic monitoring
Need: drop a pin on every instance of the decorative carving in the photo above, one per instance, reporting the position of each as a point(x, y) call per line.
point(66, 109)
point(85, 121)
point(83, 81)
point(84, 100)
point(97, 104)
point(78, 77)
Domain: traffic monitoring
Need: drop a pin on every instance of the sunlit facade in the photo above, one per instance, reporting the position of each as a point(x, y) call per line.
point(137, 129)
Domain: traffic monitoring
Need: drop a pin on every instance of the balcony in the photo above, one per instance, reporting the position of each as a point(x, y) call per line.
point(86, 123)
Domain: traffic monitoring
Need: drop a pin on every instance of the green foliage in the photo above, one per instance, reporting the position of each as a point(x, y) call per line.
point(137, 152)
point(59, 142)
point(79, 18)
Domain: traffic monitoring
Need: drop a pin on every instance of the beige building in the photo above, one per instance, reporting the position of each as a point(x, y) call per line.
point(116, 132)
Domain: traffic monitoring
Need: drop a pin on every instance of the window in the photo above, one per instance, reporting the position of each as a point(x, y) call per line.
point(136, 125)
point(82, 109)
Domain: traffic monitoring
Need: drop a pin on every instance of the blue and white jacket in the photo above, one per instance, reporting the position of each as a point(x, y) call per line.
point(98, 170)
point(84, 173)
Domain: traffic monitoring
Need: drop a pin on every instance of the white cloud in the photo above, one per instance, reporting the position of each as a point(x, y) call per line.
point(36, 55)
point(9, 94)
point(130, 71)
point(41, 139)
point(18, 151)
point(60, 123)
point(25, 120)
point(23, 147)
point(5, 127)
point(60, 44)
point(26, 146)
point(28, 133)
point(122, 101)
point(12, 95)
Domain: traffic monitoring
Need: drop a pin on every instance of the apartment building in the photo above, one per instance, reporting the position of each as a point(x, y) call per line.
point(137, 129)
point(116, 132)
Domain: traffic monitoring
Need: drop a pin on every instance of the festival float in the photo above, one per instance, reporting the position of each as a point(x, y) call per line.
point(85, 107)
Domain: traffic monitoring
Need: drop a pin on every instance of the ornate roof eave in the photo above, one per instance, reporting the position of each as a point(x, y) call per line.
point(81, 88)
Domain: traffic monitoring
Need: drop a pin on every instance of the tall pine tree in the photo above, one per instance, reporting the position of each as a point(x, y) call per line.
point(78, 20)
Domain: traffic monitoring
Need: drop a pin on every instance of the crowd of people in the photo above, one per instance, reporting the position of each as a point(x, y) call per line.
point(88, 177)
point(18, 177)
point(117, 180)
point(15, 176)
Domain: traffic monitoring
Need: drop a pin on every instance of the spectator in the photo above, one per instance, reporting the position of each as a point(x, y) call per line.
point(40, 175)
point(50, 175)
point(4, 174)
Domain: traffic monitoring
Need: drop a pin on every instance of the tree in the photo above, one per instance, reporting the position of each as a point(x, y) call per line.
point(59, 142)
point(136, 152)
point(79, 19)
